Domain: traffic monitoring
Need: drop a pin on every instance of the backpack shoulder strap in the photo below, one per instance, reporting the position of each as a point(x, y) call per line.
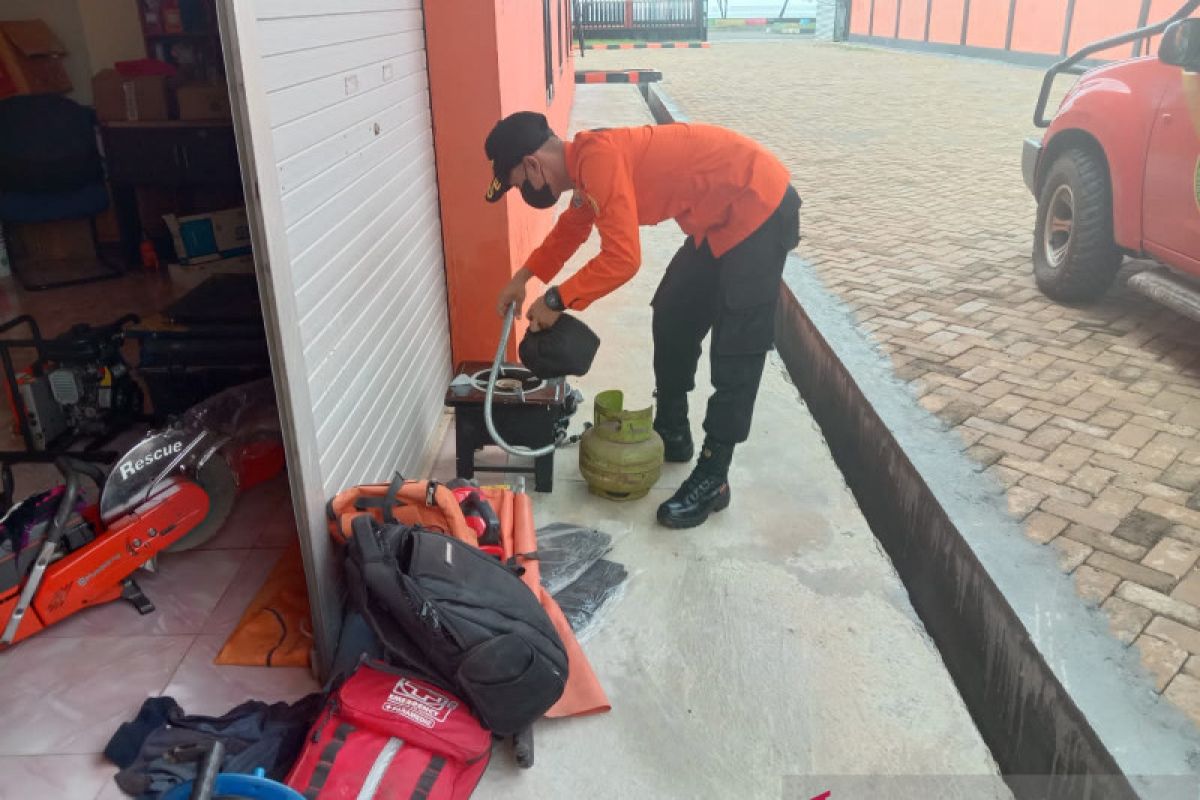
point(373, 499)
point(436, 508)
point(365, 558)
point(387, 503)
point(366, 548)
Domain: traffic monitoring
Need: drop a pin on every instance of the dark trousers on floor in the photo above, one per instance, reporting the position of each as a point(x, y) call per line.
point(735, 298)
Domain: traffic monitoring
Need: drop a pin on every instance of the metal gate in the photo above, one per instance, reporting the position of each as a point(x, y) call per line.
point(643, 19)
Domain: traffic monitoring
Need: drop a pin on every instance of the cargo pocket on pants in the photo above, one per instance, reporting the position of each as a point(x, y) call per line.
point(745, 323)
point(747, 331)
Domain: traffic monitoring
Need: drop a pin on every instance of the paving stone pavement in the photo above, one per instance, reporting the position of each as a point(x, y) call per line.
point(916, 215)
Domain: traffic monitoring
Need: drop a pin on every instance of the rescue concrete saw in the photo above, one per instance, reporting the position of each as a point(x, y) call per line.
point(171, 491)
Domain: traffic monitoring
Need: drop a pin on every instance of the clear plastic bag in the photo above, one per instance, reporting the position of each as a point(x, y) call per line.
point(242, 411)
point(566, 551)
point(582, 600)
point(576, 573)
point(246, 418)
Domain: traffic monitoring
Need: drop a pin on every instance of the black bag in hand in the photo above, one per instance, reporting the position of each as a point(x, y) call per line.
point(565, 348)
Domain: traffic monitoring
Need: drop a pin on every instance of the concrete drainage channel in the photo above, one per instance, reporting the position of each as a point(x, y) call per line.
point(1067, 711)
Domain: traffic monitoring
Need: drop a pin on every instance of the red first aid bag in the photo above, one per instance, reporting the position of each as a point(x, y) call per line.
point(384, 734)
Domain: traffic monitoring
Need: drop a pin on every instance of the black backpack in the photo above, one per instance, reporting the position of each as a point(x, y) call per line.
point(459, 618)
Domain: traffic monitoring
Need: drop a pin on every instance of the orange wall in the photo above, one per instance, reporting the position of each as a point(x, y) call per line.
point(860, 17)
point(1099, 19)
point(912, 19)
point(1038, 25)
point(478, 73)
point(1159, 11)
point(885, 18)
point(945, 21)
point(527, 226)
point(989, 23)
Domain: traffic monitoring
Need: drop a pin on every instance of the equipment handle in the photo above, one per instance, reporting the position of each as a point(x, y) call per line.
point(67, 465)
point(24, 319)
point(475, 502)
point(67, 504)
point(522, 452)
point(206, 775)
point(45, 554)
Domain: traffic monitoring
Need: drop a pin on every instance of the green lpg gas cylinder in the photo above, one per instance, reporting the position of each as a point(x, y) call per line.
point(621, 456)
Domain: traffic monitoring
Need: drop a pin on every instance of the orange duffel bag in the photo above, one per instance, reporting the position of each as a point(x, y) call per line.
point(433, 506)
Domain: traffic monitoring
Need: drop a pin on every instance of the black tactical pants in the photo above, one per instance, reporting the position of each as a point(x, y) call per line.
point(735, 297)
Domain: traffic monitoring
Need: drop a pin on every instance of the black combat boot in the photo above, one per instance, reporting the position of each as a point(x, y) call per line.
point(671, 423)
point(706, 490)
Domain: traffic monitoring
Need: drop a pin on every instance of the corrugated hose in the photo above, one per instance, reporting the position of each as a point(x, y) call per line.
point(522, 452)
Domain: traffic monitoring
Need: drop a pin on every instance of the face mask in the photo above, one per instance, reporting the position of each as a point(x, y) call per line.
point(538, 198)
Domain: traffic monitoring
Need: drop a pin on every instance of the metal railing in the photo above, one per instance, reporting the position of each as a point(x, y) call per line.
point(643, 19)
point(1074, 64)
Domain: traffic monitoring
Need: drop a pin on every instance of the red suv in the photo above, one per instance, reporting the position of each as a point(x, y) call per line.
point(1118, 171)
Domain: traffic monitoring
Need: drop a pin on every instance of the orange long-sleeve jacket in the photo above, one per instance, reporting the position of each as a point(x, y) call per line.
point(718, 185)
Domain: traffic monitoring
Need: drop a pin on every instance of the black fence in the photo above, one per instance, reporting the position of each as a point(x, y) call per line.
point(642, 19)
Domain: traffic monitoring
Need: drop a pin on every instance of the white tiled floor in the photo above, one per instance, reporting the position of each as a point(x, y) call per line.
point(66, 690)
point(66, 777)
point(202, 687)
point(61, 694)
point(185, 590)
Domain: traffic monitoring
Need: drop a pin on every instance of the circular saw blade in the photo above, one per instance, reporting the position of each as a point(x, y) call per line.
point(217, 480)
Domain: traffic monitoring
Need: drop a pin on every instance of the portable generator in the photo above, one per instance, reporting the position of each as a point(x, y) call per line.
point(78, 387)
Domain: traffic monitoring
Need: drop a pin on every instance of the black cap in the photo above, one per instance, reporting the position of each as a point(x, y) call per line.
point(513, 138)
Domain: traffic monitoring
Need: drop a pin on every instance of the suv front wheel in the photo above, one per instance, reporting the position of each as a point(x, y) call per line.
point(1075, 257)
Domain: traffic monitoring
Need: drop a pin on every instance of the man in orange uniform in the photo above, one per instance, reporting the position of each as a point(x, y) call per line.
point(735, 202)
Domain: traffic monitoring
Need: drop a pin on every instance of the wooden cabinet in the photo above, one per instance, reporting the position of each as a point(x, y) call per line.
point(184, 34)
point(190, 159)
point(210, 156)
point(171, 154)
point(137, 156)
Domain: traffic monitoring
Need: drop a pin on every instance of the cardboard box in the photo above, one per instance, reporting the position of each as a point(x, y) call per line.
point(209, 237)
point(203, 101)
point(31, 59)
point(121, 99)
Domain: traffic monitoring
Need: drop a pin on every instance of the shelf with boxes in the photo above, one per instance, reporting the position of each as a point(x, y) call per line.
point(184, 34)
point(182, 76)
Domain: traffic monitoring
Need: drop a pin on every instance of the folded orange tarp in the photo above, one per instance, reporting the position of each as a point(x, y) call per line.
point(414, 503)
point(583, 694)
point(275, 630)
